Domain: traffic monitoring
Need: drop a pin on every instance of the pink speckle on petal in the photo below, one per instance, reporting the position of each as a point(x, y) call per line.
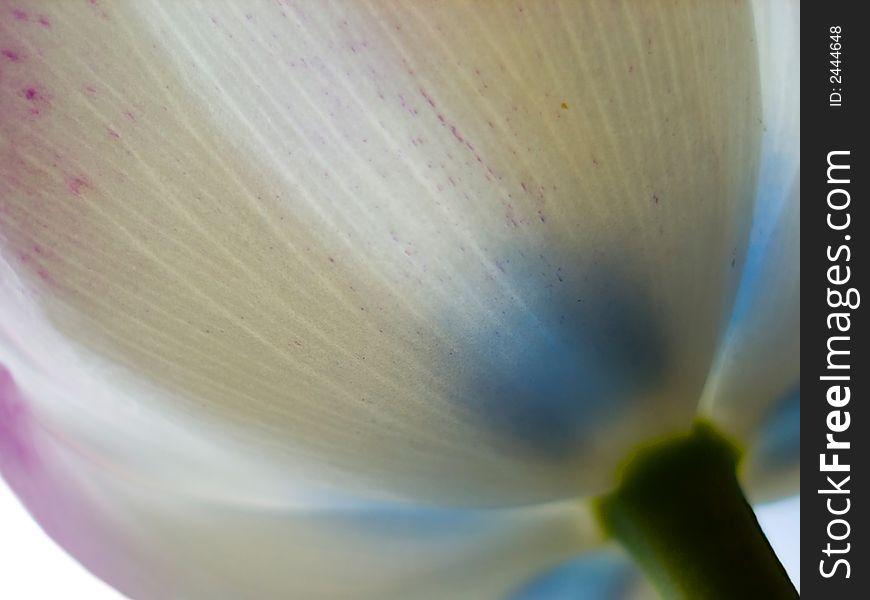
point(11, 55)
point(38, 99)
point(76, 184)
point(43, 274)
point(113, 134)
point(43, 20)
point(19, 14)
point(428, 98)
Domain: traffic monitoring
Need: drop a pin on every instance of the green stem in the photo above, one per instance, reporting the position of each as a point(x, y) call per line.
point(680, 512)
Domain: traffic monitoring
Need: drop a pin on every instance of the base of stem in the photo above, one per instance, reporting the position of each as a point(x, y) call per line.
point(680, 512)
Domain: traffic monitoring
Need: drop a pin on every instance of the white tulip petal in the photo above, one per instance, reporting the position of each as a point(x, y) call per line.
point(754, 391)
point(466, 251)
point(153, 543)
point(147, 510)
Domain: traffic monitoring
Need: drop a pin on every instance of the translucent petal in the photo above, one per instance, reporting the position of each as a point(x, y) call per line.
point(754, 391)
point(142, 505)
point(606, 574)
point(464, 252)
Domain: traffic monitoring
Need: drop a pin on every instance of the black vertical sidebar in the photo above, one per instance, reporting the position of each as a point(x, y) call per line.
point(835, 434)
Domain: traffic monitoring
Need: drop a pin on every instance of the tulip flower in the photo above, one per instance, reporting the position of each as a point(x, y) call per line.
point(375, 299)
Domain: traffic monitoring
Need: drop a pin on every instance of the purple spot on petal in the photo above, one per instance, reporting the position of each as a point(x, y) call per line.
point(76, 184)
point(11, 55)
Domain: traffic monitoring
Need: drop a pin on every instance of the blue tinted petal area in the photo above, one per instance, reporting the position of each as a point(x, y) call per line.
point(423, 523)
point(773, 199)
point(550, 373)
point(591, 577)
point(779, 439)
